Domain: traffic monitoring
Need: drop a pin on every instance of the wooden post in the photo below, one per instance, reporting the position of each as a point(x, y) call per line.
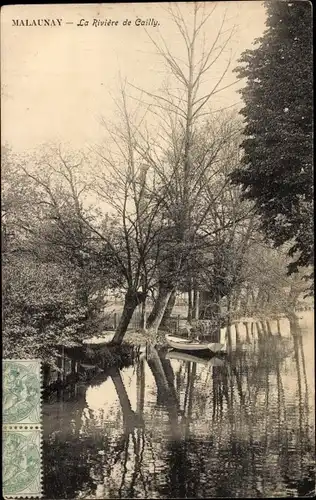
point(178, 323)
point(269, 330)
point(252, 329)
point(278, 327)
point(259, 332)
point(237, 333)
point(247, 331)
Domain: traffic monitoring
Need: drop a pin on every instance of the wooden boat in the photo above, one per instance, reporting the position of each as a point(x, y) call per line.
point(182, 344)
point(185, 356)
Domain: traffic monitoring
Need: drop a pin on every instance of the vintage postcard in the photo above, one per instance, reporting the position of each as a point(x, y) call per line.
point(157, 250)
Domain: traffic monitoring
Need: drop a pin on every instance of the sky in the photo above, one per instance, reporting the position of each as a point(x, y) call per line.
point(57, 81)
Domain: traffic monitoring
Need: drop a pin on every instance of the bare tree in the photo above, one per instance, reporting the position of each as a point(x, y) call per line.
point(124, 182)
point(181, 110)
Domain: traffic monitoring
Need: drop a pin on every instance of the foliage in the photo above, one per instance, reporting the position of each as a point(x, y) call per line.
point(276, 169)
point(266, 288)
point(40, 308)
point(55, 269)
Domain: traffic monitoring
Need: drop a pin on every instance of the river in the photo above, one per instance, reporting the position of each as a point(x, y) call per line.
point(171, 426)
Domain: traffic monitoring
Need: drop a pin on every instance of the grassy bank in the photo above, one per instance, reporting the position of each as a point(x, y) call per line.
point(139, 338)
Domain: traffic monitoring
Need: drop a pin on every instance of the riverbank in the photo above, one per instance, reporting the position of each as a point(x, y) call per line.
point(75, 362)
point(78, 363)
point(137, 338)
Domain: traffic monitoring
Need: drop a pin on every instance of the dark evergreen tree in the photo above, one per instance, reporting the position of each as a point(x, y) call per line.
point(276, 168)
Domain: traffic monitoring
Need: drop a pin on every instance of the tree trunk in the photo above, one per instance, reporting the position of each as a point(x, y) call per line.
point(168, 310)
point(140, 387)
point(236, 302)
point(191, 380)
point(190, 305)
point(205, 304)
point(159, 308)
point(163, 388)
point(253, 303)
point(143, 315)
point(292, 299)
point(168, 370)
point(244, 301)
point(165, 393)
point(196, 304)
point(130, 418)
point(259, 300)
point(132, 299)
point(209, 305)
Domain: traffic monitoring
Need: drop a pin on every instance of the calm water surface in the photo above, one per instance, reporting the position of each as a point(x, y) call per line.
point(170, 427)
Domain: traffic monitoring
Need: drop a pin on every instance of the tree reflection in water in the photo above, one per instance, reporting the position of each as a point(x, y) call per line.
point(242, 428)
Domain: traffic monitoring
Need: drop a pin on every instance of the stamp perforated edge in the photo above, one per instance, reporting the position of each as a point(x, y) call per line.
point(8, 427)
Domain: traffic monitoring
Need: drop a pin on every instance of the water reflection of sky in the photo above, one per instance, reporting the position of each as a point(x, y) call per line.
point(104, 399)
point(170, 428)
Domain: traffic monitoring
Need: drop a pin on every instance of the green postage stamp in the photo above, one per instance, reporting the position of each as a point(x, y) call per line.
point(22, 429)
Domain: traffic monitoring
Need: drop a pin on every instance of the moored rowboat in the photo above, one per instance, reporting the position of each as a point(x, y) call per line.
point(193, 345)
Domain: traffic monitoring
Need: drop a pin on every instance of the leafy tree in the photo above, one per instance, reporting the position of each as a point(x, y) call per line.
point(276, 168)
point(265, 286)
point(55, 270)
point(40, 307)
